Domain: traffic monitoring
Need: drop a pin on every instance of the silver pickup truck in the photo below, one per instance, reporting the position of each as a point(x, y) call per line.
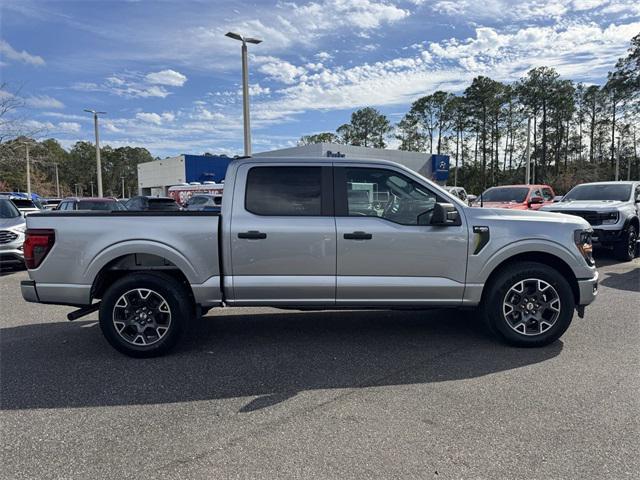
point(612, 208)
point(313, 234)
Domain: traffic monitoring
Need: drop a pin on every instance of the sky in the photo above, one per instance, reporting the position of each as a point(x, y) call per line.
point(170, 80)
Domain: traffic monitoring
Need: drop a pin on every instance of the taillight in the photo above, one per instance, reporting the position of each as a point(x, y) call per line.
point(37, 244)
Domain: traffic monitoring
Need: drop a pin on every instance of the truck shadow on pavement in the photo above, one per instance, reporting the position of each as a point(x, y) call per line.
point(269, 355)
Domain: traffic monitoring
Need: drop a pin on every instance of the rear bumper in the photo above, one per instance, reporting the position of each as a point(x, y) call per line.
point(588, 290)
point(56, 294)
point(28, 289)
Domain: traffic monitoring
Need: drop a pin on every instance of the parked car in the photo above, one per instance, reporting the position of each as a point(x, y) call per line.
point(516, 197)
point(12, 228)
point(25, 206)
point(149, 203)
point(90, 203)
point(459, 192)
point(51, 203)
point(209, 203)
point(289, 236)
point(612, 208)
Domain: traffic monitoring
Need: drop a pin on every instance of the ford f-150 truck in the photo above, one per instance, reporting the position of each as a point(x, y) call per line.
point(612, 209)
point(329, 233)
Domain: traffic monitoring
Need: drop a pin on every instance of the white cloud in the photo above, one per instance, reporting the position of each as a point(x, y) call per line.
point(280, 70)
point(44, 101)
point(528, 10)
point(155, 118)
point(323, 56)
point(167, 77)
point(10, 53)
point(69, 127)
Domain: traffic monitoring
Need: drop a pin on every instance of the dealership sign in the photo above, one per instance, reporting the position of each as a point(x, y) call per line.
point(440, 167)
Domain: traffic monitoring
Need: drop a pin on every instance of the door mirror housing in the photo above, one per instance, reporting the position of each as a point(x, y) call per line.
point(443, 214)
point(536, 200)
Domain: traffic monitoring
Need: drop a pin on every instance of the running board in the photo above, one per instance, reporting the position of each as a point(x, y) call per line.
point(83, 311)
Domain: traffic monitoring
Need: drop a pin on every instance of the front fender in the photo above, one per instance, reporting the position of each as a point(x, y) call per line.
point(480, 268)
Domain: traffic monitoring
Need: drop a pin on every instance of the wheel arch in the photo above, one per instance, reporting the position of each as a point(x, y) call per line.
point(544, 258)
point(129, 263)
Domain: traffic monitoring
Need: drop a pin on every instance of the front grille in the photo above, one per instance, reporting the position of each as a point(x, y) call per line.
point(7, 236)
point(594, 218)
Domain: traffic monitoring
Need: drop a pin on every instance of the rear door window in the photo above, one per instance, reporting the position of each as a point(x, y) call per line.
point(284, 191)
point(547, 194)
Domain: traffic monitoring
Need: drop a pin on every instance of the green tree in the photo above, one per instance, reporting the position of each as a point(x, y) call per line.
point(368, 128)
point(324, 137)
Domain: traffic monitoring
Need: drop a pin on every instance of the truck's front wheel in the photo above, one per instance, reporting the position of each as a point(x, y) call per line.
point(625, 250)
point(143, 314)
point(529, 304)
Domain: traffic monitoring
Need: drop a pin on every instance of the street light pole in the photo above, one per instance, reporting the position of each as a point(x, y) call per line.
point(618, 161)
point(28, 171)
point(527, 170)
point(245, 87)
point(98, 164)
point(91, 182)
point(57, 181)
point(122, 178)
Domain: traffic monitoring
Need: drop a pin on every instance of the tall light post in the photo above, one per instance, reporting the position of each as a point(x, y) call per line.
point(618, 161)
point(122, 178)
point(26, 146)
point(527, 170)
point(245, 87)
point(57, 181)
point(98, 164)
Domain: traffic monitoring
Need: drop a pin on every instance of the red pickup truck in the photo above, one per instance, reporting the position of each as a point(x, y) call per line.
point(516, 197)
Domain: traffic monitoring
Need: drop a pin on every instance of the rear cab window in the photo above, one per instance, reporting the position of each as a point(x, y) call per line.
point(287, 191)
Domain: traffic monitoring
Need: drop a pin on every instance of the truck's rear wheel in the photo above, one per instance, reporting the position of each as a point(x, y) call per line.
point(529, 304)
point(143, 314)
point(625, 250)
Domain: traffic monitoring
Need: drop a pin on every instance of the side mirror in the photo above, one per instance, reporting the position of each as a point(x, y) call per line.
point(444, 214)
point(536, 200)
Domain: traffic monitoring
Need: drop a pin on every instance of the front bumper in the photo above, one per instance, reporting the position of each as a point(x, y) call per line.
point(588, 290)
point(602, 236)
point(12, 252)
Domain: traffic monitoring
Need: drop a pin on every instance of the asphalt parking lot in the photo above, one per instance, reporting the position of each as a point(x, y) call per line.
point(263, 393)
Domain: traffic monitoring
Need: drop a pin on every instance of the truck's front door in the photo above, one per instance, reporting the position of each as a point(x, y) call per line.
point(388, 254)
point(283, 235)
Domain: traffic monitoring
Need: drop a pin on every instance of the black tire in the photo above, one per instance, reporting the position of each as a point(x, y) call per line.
point(175, 314)
point(625, 250)
point(493, 308)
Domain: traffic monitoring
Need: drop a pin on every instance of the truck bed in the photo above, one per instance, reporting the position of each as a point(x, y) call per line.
point(88, 242)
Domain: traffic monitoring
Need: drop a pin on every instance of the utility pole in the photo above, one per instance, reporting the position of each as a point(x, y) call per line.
point(26, 146)
point(57, 181)
point(122, 178)
point(98, 164)
point(77, 188)
point(245, 87)
point(91, 182)
point(618, 161)
point(527, 170)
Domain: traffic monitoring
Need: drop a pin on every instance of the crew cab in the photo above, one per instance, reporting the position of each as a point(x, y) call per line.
point(612, 209)
point(516, 197)
point(293, 234)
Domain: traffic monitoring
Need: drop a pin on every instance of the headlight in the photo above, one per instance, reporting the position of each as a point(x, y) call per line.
point(582, 239)
point(610, 218)
point(20, 229)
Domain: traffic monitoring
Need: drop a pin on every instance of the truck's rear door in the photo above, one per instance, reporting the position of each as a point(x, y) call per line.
point(283, 235)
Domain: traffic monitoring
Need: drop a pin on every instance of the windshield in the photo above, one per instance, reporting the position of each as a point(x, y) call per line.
point(93, 205)
point(507, 194)
point(166, 204)
point(198, 200)
point(8, 209)
point(23, 203)
point(609, 191)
